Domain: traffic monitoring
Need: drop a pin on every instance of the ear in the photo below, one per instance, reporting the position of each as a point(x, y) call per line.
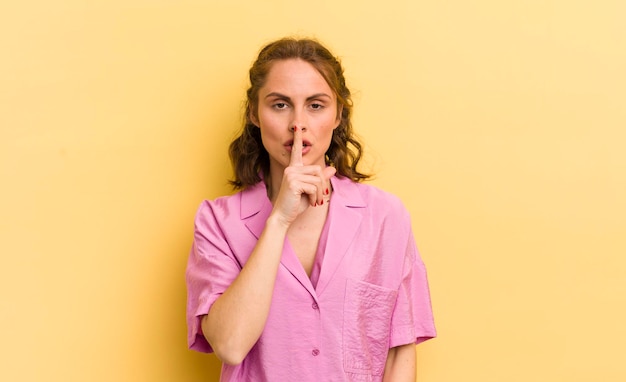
point(339, 112)
point(253, 117)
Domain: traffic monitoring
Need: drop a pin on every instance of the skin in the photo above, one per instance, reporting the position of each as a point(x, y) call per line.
point(401, 364)
point(297, 113)
point(296, 95)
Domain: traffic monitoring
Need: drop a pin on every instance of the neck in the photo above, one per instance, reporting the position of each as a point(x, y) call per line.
point(273, 180)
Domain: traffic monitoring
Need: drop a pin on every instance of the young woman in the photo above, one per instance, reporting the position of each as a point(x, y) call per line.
point(306, 274)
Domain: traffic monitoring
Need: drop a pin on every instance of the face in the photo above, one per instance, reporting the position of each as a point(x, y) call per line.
point(296, 94)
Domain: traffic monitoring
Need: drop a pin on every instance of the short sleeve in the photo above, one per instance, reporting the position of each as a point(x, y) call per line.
point(412, 319)
point(211, 268)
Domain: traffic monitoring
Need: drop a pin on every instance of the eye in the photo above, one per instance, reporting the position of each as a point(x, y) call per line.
point(317, 106)
point(279, 105)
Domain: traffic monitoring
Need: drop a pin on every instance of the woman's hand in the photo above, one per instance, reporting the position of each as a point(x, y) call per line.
point(302, 186)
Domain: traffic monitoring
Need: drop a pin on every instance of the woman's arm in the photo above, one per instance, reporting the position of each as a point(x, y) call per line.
point(400, 366)
point(236, 319)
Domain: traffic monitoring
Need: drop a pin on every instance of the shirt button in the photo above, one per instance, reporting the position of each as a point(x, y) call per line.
point(315, 352)
point(315, 306)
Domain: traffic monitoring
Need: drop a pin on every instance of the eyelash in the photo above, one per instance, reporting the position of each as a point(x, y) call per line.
point(283, 105)
point(279, 105)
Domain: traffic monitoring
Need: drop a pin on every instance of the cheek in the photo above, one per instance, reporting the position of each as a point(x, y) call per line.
point(267, 136)
point(331, 123)
point(270, 132)
point(326, 133)
point(269, 121)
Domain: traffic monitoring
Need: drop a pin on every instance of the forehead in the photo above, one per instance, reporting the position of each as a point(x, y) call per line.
point(295, 76)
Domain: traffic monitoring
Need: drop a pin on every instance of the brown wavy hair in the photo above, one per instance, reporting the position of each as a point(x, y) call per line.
point(247, 154)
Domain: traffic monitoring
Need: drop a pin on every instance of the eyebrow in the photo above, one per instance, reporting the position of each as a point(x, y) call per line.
point(282, 96)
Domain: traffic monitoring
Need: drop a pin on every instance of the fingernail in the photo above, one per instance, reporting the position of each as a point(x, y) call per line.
point(322, 202)
point(327, 191)
point(295, 128)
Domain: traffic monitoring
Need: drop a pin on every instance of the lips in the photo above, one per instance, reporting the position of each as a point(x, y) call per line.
point(304, 144)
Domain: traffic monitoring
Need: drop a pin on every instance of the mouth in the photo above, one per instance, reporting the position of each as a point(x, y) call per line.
point(305, 144)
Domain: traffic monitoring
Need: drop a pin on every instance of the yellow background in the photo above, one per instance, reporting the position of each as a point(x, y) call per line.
point(501, 124)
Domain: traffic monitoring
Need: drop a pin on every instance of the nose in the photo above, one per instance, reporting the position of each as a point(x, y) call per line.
point(298, 119)
point(293, 126)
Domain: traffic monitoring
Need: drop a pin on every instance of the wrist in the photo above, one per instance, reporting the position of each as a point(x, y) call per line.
point(276, 221)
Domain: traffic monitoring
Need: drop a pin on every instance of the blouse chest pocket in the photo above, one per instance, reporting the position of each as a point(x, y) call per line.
point(367, 311)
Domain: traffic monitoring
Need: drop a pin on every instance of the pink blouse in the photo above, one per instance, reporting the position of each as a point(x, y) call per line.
point(371, 291)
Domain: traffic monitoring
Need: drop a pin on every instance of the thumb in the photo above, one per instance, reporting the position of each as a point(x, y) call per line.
point(328, 172)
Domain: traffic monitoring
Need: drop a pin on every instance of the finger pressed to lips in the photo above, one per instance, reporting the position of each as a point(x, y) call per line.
point(312, 175)
point(296, 147)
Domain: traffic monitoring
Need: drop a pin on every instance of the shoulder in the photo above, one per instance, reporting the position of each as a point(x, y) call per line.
point(378, 195)
point(373, 198)
point(233, 206)
point(212, 213)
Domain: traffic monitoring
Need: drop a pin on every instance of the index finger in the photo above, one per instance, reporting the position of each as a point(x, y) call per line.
point(296, 147)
